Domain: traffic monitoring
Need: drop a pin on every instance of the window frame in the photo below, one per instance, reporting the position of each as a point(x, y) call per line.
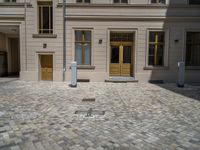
point(45, 4)
point(185, 49)
point(91, 45)
point(166, 48)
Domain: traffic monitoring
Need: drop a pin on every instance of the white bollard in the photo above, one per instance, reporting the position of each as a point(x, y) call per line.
point(181, 74)
point(74, 74)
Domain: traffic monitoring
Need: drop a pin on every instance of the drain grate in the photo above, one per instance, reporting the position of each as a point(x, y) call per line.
point(90, 112)
point(2, 113)
point(26, 116)
point(88, 100)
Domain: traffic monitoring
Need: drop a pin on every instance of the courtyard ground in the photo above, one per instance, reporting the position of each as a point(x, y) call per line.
point(124, 116)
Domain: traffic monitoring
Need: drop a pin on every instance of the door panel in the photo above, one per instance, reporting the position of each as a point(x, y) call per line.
point(125, 69)
point(46, 67)
point(114, 54)
point(114, 65)
point(127, 54)
point(126, 62)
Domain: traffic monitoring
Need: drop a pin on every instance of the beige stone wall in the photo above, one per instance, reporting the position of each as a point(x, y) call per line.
point(35, 45)
point(175, 20)
point(139, 19)
point(100, 53)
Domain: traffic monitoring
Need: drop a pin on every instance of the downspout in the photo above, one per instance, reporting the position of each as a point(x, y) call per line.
point(25, 9)
point(64, 39)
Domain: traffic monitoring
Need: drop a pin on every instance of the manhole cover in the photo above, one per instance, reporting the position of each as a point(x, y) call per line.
point(1, 113)
point(90, 112)
point(26, 116)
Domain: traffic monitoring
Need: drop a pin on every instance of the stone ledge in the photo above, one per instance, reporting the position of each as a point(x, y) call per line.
point(121, 80)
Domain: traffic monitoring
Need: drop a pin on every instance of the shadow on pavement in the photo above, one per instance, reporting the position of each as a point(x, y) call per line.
point(190, 90)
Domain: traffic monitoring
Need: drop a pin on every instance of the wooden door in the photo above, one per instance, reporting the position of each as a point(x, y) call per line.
point(121, 60)
point(46, 67)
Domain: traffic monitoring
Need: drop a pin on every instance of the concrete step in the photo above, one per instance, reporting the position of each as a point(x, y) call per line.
point(121, 79)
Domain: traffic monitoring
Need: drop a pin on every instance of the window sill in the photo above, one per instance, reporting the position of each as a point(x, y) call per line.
point(15, 4)
point(44, 36)
point(156, 68)
point(192, 67)
point(85, 67)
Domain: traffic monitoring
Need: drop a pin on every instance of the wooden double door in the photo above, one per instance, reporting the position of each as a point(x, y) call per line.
point(46, 67)
point(121, 59)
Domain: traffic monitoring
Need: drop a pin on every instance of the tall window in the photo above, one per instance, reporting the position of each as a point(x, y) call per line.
point(120, 1)
point(45, 17)
point(195, 2)
point(83, 47)
point(83, 1)
point(158, 1)
point(156, 48)
point(193, 49)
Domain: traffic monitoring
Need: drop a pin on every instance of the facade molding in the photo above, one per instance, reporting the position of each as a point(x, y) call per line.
point(139, 6)
point(129, 18)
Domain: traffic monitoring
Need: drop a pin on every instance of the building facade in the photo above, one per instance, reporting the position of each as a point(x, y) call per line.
point(139, 39)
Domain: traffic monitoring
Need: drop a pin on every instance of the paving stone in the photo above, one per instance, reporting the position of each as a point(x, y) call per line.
point(39, 146)
point(138, 116)
point(15, 148)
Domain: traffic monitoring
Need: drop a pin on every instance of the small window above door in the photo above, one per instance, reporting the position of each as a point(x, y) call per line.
point(121, 37)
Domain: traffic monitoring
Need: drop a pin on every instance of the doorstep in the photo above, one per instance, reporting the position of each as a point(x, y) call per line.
point(121, 79)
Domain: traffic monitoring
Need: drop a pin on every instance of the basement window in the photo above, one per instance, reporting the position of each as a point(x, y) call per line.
point(83, 1)
point(120, 1)
point(10, 1)
point(158, 1)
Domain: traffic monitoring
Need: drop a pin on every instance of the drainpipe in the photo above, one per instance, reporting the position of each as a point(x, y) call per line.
point(64, 39)
point(25, 10)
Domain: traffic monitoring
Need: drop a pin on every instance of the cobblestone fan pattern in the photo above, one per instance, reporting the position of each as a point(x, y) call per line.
point(41, 116)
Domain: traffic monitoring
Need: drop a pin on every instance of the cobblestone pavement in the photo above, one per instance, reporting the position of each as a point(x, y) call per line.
point(41, 116)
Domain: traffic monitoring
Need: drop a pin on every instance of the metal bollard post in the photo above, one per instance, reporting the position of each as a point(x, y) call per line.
point(181, 74)
point(74, 74)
